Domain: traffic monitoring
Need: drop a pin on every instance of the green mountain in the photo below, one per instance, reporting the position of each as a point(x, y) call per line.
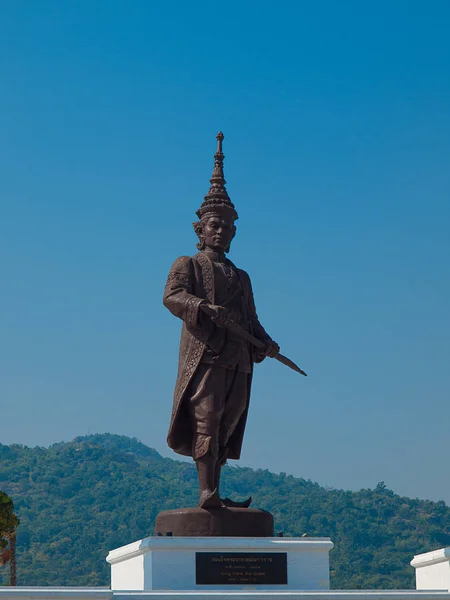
point(78, 500)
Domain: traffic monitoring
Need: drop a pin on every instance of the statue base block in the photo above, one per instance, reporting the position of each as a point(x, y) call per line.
point(217, 522)
point(221, 563)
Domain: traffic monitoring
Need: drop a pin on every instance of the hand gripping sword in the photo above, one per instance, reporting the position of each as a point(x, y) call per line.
point(241, 332)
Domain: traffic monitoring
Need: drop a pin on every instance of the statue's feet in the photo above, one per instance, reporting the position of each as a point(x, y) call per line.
point(210, 499)
point(234, 504)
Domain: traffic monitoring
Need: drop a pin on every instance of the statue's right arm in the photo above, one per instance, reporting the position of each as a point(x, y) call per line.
point(178, 294)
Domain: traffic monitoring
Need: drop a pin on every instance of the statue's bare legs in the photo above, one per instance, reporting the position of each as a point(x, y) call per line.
point(209, 494)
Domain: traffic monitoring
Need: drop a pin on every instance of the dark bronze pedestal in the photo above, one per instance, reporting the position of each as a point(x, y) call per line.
point(218, 522)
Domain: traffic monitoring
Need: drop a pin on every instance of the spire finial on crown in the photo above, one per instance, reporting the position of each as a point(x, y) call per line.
point(217, 199)
point(219, 138)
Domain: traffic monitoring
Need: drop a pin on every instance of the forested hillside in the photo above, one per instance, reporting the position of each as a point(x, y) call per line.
point(78, 500)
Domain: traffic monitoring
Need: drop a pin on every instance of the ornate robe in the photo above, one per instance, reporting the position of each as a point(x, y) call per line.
point(191, 280)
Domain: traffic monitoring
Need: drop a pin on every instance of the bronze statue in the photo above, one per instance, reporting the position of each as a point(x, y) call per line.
point(221, 339)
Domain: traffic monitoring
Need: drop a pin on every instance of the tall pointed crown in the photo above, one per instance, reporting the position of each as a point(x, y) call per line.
point(217, 200)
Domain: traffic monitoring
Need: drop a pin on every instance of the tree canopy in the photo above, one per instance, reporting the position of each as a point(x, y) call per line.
point(8, 519)
point(8, 526)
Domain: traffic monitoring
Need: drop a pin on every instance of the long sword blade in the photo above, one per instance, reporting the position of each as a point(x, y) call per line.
point(289, 363)
point(250, 338)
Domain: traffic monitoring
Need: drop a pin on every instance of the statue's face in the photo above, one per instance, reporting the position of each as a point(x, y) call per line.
point(218, 232)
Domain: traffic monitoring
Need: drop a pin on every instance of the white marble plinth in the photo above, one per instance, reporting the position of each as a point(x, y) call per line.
point(168, 563)
point(432, 570)
point(84, 593)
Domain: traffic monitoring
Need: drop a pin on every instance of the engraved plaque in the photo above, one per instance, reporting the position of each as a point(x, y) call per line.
point(242, 568)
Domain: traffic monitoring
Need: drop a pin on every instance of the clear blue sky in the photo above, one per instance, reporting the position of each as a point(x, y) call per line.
point(337, 125)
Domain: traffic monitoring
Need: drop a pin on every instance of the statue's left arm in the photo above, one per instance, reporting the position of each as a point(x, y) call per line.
point(256, 328)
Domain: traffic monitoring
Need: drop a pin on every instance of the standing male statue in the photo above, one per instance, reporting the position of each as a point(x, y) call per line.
point(215, 370)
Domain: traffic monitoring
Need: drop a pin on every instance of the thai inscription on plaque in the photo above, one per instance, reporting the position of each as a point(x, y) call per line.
point(250, 568)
